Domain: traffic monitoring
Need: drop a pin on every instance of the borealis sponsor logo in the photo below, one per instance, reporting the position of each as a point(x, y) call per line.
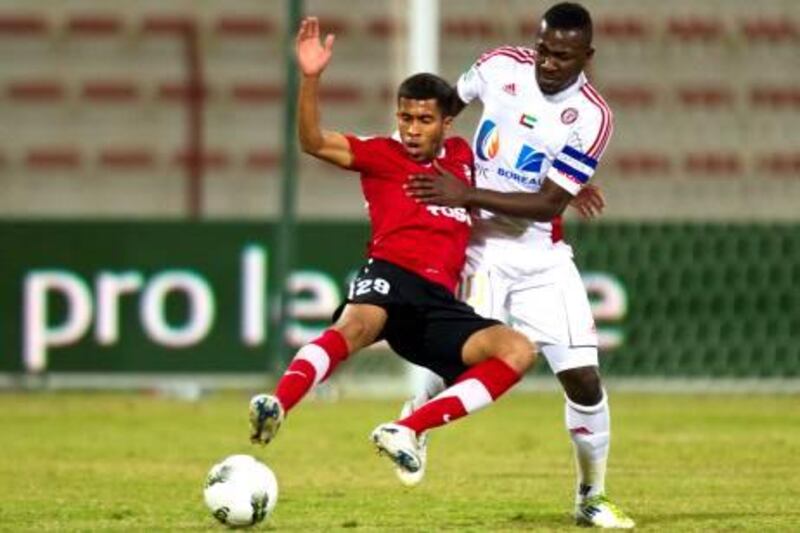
point(534, 181)
point(488, 143)
point(529, 160)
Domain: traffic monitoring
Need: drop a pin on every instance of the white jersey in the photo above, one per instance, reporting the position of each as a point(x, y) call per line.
point(525, 136)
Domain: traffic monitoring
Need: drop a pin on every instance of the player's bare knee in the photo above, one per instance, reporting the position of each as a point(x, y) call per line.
point(356, 332)
point(517, 351)
point(582, 385)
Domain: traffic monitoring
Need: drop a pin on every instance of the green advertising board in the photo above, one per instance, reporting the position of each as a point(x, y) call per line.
point(114, 297)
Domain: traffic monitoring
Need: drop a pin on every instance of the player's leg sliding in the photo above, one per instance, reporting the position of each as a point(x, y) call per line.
point(589, 429)
point(475, 389)
point(432, 386)
point(312, 364)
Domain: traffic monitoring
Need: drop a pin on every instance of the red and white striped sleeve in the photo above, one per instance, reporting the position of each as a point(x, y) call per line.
point(489, 66)
point(575, 165)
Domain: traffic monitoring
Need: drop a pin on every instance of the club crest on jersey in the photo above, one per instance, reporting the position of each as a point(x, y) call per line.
point(511, 89)
point(529, 121)
point(488, 142)
point(569, 115)
point(529, 160)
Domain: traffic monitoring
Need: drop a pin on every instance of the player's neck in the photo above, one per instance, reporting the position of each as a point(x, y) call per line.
point(567, 91)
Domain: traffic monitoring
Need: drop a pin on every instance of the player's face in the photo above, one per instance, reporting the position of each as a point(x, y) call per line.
point(561, 55)
point(422, 127)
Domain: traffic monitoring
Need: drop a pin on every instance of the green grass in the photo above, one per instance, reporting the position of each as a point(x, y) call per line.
point(131, 462)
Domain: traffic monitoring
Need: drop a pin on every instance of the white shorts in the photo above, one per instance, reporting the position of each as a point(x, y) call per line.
point(538, 293)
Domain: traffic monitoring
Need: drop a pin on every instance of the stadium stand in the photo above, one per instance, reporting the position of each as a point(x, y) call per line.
point(106, 91)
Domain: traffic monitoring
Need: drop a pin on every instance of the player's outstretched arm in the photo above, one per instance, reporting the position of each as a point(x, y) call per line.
point(313, 55)
point(445, 189)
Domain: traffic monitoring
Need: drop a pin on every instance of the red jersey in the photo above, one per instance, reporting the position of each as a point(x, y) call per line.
point(429, 240)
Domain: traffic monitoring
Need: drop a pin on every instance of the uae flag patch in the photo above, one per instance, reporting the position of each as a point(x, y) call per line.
point(529, 121)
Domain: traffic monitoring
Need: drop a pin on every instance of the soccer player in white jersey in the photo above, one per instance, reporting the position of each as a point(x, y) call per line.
point(542, 132)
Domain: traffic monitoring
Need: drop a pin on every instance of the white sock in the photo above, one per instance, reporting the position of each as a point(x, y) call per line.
point(590, 431)
point(432, 385)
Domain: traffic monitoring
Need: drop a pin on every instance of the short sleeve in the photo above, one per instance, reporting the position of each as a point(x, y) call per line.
point(490, 66)
point(369, 153)
point(575, 165)
point(470, 85)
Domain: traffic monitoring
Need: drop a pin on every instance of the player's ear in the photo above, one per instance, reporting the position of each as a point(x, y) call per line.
point(589, 53)
point(447, 122)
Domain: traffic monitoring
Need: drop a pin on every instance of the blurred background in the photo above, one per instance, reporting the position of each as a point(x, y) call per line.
point(151, 209)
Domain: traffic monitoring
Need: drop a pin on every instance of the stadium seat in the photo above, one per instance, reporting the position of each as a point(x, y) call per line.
point(342, 93)
point(97, 25)
point(215, 159)
point(256, 93)
point(705, 96)
point(19, 25)
point(632, 95)
point(53, 157)
point(695, 28)
point(131, 158)
point(244, 26)
point(42, 90)
point(336, 25)
point(641, 164)
point(110, 91)
point(716, 164)
point(781, 164)
point(180, 91)
point(528, 27)
point(771, 30)
point(165, 24)
point(387, 92)
point(775, 96)
point(382, 27)
point(262, 159)
point(622, 28)
point(468, 28)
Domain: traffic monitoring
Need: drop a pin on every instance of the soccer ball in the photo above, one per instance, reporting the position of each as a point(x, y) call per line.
point(240, 491)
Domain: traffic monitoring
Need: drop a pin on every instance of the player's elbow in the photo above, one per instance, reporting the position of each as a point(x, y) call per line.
point(310, 144)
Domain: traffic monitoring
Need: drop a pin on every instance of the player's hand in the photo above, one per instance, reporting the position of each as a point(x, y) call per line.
point(313, 55)
point(443, 189)
point(590, 202)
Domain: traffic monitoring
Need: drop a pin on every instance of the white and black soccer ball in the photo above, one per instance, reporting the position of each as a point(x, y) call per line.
point(241, 491)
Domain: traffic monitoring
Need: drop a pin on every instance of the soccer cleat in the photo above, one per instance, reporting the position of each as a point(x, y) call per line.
point(598, 511)
point(407, 478)
point(266, 415)
point(400, 444)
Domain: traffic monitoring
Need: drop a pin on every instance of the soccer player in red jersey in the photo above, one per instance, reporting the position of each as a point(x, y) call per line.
point(404, 294)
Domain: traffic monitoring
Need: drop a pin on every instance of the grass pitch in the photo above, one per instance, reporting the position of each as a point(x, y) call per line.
point(131, 462)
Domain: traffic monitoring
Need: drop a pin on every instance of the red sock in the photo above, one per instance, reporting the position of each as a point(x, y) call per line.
point(476, 388)
point(313, 363)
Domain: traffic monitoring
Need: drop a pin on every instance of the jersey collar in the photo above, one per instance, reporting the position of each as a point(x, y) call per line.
point(568, 92)
point(440, 155)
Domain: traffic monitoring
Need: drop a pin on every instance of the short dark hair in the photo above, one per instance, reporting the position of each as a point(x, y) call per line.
point(426, 86)
point(569, 16)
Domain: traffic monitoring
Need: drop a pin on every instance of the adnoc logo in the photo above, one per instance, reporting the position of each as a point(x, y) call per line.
point(488, 143)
